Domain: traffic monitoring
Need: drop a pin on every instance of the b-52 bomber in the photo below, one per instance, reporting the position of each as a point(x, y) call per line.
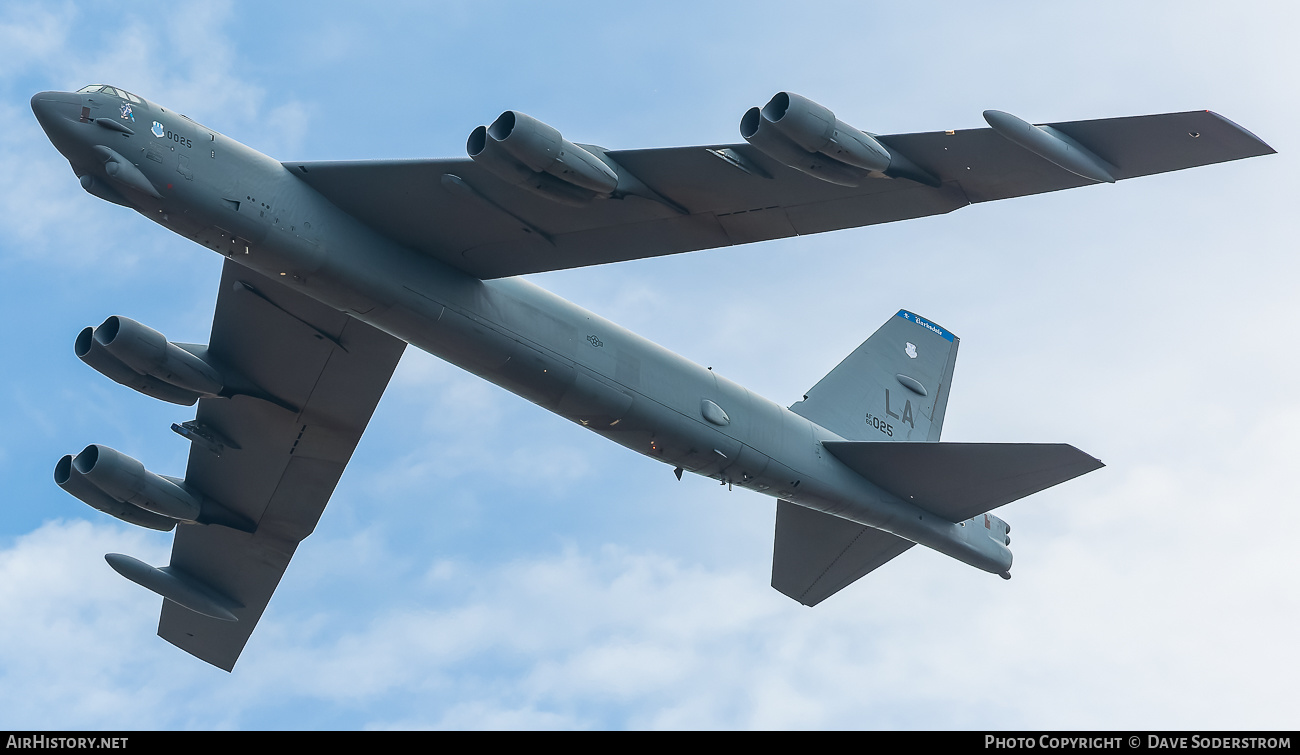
point(333, 267)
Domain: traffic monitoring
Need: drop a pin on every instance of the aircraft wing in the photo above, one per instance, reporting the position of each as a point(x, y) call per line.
point(714, 196)
point(274, 461)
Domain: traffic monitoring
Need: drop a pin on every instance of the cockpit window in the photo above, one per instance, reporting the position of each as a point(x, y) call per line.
point(93, 88)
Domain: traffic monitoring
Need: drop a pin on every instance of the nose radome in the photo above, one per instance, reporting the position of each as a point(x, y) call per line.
point(40, 104)
point(48, 105)
point(40, 98)
point(59, 113)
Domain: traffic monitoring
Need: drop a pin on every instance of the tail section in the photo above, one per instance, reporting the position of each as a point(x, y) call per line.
point(960, 481)
point(815, 554)
point(892, 387)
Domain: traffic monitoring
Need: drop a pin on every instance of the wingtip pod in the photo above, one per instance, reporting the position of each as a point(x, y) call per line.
point(176, 586)
point(1051, 145)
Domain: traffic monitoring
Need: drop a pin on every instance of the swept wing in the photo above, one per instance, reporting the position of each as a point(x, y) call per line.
point(719, 195)
point(273, 460)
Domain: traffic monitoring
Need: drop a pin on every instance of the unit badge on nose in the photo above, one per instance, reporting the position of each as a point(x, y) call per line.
point(158, 129)
point(911, 350)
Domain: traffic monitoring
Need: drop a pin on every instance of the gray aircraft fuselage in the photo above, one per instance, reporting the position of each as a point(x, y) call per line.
point(255, 211)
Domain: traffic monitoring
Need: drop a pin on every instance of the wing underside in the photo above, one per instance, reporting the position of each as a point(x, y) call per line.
point(274, 459)
point(719, 195)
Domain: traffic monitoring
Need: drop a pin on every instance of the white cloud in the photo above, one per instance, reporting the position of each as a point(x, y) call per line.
point(32, 33)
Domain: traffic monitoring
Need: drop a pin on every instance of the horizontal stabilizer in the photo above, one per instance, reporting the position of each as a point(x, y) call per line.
point(815, 555)
point(958, 481)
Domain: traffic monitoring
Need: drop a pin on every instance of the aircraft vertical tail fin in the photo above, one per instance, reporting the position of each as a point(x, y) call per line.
point(892, 387)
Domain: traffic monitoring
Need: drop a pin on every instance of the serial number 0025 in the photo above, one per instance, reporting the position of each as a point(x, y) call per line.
point(880, 424)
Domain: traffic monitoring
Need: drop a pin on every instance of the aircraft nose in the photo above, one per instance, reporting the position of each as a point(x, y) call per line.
point(52, 104)
point(49, 106)
point(58, 113)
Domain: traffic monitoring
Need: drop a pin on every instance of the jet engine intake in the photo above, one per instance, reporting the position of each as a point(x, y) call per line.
point(100, 475)
point(67, 477)
point(140, 357)
point(806, 136)
point(816, 129)
point(523, 151)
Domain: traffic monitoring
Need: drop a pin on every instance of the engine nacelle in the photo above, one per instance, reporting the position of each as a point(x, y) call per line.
point(126, 480)
point(806, 136)
point(122, 478)
point(816, 129)
point(67, 477)
point(519, 148)
point(92, 353)
point(769, 140)
point(140, 357)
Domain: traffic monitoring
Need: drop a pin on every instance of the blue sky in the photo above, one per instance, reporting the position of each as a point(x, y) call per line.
point(484, 564)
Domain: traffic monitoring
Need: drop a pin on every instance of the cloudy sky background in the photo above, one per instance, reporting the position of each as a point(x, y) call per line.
point(484, 564)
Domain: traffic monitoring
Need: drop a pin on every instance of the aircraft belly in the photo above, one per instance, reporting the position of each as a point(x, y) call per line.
point(594, 402)
point(539, 377)
point(585, 368)
point(839, 491)
point(628, 389)
point(471, 344)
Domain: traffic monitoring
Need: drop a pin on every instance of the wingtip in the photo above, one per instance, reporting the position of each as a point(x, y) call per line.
point(1265, 148)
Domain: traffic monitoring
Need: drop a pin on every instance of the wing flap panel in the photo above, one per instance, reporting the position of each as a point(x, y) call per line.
point(617, 243)
point(907, 200)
